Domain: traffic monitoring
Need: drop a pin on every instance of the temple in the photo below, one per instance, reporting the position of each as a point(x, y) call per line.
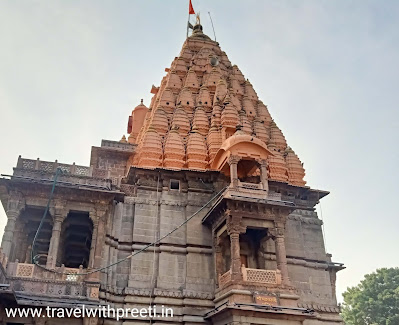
point(204, 173)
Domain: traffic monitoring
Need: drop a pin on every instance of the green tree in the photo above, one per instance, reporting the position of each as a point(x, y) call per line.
point(375, 301)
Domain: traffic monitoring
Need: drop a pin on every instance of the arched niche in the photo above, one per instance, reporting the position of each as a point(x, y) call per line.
point(245, 148)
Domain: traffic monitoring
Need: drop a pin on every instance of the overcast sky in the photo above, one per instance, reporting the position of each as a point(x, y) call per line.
point(71, 72)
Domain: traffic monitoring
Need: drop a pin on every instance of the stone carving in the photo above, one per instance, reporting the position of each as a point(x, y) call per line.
point(174, 151)
point(197, 154)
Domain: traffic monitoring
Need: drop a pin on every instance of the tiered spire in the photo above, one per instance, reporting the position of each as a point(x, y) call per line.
point(199, 103)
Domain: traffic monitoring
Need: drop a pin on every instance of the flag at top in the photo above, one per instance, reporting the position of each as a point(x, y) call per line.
point(191, 9)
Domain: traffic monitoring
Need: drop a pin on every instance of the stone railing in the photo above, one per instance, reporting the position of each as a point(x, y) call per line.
point(250, 186)
point(117, 145)
point(66, 179)
point(261, 276)
point(32, 271)
point(51, 167)
point(224, 278)
point(32, 279)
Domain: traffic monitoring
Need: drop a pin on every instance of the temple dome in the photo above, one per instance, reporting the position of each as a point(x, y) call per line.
point(136, 121)
point(196, 92)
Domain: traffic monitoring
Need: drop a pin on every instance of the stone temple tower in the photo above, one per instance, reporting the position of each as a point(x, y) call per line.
point(207, 176)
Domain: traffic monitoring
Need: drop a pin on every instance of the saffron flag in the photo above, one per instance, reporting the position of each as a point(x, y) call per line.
point(191, 9)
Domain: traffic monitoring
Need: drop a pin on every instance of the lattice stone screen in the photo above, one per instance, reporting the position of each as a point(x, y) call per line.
point(260, 276)
point(224, 278)
point(24, 270)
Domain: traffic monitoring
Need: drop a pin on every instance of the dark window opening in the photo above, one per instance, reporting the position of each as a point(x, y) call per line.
point(30, 219)
point(77, 230)
point(174, 185)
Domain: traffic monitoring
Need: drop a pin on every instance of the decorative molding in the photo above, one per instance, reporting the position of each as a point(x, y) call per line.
point(323, 308)
point(306, 220)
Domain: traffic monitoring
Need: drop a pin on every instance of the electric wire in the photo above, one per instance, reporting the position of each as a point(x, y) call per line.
point(155, 238)
point(35, 258)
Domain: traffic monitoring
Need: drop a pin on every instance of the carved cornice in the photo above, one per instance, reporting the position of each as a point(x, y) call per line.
point(234, 223)
point(306, 220)
point(16, 202)
point(233, 159)
point(323, 308)
point(192, 294)
point(183, 203)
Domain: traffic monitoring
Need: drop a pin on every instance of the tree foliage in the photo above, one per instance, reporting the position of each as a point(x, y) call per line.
point(375, 301)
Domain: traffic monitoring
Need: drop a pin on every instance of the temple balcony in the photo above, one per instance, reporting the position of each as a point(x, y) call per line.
point(64, 282)
point(252, 277)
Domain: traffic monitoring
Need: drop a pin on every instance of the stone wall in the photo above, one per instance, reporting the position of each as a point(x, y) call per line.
point(306, 257)
point(179, 271)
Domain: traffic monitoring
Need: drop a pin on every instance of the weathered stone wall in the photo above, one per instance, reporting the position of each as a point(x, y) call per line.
point(179, 272)
point(307, 260)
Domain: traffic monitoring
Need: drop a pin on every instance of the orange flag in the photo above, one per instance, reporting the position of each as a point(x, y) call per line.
point(191, 9)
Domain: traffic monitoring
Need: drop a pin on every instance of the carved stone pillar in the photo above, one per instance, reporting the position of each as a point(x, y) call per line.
point(100, 241)
point(233, 162)
point(264, 174)
point(98, 238)
point(234, 229)
point(218, 257)
point(94, 219)
point(14, 207)
point(281, 255)
point(59, 214)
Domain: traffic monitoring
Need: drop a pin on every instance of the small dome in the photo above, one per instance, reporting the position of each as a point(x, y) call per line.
point(160, 121)
point(214, 140)
point(197, 155)
point(174, 151)
point(261, 131)
point(181, 120)
point(201, 121)
point(229, 116)
point(296, 172)
point(277, 137)
point(277, 165)
point(151, 149)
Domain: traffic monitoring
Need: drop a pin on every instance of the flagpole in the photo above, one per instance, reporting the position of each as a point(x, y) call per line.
point(188, 21)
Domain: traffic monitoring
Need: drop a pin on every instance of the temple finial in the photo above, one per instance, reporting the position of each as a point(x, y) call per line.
point(197, 19)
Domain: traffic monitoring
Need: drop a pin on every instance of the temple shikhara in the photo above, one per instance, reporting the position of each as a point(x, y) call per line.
point(206, 175)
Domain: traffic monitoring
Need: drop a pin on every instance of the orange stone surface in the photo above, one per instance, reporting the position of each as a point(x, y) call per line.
point(196, 109)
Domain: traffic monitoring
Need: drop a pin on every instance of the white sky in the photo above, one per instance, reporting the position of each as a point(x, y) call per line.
point(71, 72)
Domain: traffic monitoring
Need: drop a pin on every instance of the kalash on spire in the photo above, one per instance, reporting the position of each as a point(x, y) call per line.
point(202, 209)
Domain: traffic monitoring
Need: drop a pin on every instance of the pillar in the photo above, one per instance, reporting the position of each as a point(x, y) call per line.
point(100, 242)
point(218, 257)
point(94, 219)
point(98, 238)
point(235, 256)
point(234, 229)
point(264, 174)
point(281, 255)
point(6, 243)
point(14, 207)
point(58, 217)
point(233, 162)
